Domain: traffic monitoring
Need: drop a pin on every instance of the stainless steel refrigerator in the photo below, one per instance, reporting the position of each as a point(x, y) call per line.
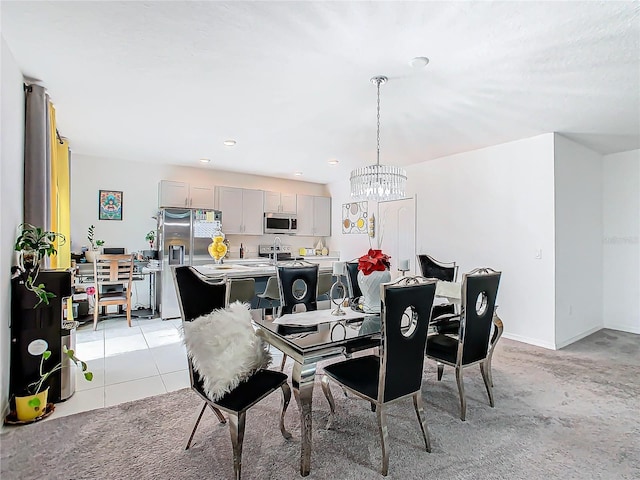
point(183, 237)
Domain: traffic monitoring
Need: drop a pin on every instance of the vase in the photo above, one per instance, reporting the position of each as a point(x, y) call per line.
point(28, 259)
point(370, 287)
point(90, 256)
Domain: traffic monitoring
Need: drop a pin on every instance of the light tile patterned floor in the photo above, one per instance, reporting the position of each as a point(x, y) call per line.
point(129, 363)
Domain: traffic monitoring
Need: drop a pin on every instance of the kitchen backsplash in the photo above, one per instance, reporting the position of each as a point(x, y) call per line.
point(250, 243)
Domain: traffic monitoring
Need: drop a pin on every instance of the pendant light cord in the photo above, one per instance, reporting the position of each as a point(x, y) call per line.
point(378, 139)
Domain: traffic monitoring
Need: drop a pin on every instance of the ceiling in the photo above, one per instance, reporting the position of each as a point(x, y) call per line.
point(168, 82)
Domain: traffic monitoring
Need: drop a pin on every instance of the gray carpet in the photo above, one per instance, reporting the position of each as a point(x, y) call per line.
point(571, 414)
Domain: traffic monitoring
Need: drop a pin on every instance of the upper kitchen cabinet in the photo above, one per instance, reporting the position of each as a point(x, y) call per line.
point(182, 194)
point(314, 216)
point(276, 202)
point(242, 210)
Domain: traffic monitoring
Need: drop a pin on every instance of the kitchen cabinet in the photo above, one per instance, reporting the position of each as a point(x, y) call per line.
point(242, 210)
point(276, 202)
point(182, 194)
point(314, 216)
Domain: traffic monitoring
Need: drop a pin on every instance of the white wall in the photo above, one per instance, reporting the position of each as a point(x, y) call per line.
point(578, 226)
point(11, 198)
point(488, 208)
point(621, 245)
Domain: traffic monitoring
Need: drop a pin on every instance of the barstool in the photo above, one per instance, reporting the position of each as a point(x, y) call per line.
point(271, 292)
point(242, 289)
point(325, 282)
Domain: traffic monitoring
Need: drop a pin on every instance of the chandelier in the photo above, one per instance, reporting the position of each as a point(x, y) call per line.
point(378, 182)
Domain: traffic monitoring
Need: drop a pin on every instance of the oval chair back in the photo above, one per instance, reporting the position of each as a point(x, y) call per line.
point(479, 292)
point(287, 277)
point(403, 349)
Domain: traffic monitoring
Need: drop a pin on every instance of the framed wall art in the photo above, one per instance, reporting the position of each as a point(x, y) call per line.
point(109, 205)
point(354, 217)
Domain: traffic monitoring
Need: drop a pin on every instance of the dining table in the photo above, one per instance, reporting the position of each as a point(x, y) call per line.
point(309, 338)
point(314, 336)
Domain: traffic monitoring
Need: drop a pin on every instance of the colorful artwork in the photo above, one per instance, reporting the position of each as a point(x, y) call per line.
point(354, 217)
point(109, 205)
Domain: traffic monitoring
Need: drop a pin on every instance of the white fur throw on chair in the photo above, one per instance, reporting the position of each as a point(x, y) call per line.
point(224, 348)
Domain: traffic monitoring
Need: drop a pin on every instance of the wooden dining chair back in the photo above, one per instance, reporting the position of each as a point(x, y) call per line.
point(479, 331)
point(397, 372)
point(113, 275)
point(198, 297)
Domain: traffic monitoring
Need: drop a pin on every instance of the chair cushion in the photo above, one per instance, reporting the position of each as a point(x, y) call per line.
point(360, 374)
point(252, 389)
point(442, 347)
point(224, 349)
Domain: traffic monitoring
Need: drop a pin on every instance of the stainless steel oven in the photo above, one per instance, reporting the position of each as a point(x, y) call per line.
point(281, 223)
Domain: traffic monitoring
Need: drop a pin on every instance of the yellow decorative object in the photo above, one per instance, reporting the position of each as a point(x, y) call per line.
point(217, 249)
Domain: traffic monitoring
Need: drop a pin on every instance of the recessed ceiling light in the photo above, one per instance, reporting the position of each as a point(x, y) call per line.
point(419, 62)
point(333, 161)
point(297, 174)
point(205, 160)
point(229, 143)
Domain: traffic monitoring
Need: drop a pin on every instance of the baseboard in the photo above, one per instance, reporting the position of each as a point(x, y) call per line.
point(580, 336)
point(623, 327)
point(529, 340)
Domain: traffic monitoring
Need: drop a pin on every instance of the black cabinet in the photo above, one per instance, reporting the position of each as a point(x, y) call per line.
point(44, 322)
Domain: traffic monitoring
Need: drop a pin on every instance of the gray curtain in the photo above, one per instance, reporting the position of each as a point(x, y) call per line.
point(37, 159)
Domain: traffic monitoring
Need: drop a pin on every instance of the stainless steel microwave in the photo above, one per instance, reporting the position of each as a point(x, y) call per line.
point(280, 223)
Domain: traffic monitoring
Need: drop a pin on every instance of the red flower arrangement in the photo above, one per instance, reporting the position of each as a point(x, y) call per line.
point(373, 261)
point(90, 291)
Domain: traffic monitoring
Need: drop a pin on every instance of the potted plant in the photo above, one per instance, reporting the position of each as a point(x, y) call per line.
point(34, 403)
point(95, 244)
point(150, 237)
point(33, 244)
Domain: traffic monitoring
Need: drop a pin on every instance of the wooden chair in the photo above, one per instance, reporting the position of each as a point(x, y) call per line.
point(113, 276)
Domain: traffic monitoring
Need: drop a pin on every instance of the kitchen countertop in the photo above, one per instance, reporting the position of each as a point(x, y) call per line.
point(254, 267)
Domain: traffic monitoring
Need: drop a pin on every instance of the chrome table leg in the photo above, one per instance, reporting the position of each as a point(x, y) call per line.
point(303, 377)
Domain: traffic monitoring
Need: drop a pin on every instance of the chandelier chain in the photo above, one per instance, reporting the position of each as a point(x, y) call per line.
point(378, 138)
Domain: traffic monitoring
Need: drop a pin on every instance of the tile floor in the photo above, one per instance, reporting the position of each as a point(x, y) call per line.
point(129, 363)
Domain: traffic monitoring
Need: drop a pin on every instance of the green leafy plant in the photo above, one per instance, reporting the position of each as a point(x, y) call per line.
point(90, 236)
point(38, 239)
point(35, 387)
point(35, 243)
point(150, 237)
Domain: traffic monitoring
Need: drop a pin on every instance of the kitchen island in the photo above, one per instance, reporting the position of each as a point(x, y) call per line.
point(250, 268)
point(259, 269)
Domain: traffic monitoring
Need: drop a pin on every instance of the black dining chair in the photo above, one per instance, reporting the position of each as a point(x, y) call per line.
point(441, 316)
point(479, 331)
point(352, 281)
point(197, 297)
point(298, 285)
point(397, 372)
